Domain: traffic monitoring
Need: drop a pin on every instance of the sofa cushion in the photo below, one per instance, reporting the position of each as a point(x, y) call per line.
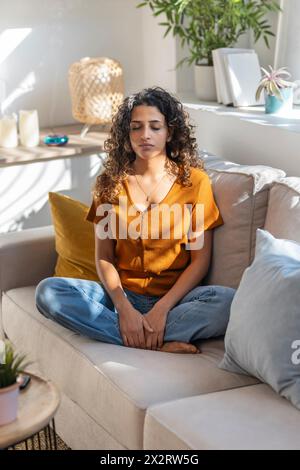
point(241, 193)
point(112, 384)
point(247, 418)
point(283, 215)
point(263, 334)
point(74, 238)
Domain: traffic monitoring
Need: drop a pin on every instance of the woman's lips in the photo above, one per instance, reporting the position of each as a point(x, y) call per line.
point(146, 145)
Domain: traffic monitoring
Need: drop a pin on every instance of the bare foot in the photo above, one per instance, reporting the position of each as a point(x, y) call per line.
point(179, 347)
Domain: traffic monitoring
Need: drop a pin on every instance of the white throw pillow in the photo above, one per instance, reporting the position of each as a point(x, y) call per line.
point(263, 334)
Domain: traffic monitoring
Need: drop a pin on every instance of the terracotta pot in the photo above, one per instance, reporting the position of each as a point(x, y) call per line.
point(9, 403)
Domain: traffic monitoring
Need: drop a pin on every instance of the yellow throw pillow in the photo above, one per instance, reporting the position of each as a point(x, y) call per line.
point(74, 238)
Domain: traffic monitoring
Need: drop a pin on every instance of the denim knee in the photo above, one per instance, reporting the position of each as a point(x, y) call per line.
point(42, 287)
point(225, 293)
point(224, 297)
point(45, 293)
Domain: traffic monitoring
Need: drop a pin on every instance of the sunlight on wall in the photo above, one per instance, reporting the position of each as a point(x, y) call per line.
point(10, 40)
point(26, 85)
point(25, 191)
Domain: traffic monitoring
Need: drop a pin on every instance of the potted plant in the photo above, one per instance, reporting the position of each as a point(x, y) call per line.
point(278, 91)
point(11, 364)
point(205, 25)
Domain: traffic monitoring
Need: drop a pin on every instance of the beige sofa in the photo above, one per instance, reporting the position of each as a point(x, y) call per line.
point(121, 398)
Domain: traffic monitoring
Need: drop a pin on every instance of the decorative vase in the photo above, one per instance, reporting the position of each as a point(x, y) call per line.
point(9, 403)
point(273, 105)
point(205, 85)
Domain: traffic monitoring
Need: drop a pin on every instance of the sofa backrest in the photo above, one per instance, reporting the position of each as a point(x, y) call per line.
point(26, 257)
point(241, 193)
point(283, 214)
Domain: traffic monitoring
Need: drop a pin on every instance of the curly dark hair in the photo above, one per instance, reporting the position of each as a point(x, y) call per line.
point(181, 150)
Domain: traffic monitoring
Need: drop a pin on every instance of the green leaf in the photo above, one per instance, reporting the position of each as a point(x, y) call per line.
point(266, 42)
point(167, 32)
point(258, 92)
point(14, 364)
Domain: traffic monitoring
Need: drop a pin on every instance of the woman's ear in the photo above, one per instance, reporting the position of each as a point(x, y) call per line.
point(170, 135)
point(127, 147)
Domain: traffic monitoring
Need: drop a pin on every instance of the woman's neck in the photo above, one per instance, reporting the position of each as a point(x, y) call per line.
point(151, 168)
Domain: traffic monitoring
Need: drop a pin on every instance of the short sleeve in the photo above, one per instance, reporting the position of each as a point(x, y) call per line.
point(211, 216)
point(92, 213)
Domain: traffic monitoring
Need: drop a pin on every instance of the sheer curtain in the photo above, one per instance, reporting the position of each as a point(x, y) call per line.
point(288, 38)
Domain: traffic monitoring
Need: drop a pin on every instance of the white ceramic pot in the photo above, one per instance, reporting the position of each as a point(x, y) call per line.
point(8, 403)
point(205, 85)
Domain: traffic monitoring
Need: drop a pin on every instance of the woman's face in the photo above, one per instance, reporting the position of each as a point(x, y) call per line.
point(148, 132)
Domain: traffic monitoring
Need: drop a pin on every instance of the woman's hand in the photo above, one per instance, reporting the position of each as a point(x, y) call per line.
point(156, 318)
point(133, 326)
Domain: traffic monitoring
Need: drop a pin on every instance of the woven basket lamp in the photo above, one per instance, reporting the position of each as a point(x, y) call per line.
point(97, 90)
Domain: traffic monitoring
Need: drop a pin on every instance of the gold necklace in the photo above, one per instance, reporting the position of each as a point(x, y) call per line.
point(149, 194)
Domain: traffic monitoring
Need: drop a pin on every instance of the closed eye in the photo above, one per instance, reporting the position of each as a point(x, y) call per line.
point(152, 128)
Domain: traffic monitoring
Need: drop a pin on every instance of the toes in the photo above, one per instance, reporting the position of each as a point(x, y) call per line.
point(179, 348)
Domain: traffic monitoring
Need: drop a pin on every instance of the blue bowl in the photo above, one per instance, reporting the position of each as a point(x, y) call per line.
point(56, 140)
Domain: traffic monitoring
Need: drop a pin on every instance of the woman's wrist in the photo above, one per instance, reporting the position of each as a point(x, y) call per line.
point(163, 305)
point(121, 302)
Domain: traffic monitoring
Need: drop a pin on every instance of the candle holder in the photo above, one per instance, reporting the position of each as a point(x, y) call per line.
point(97, 90)
point(8, 131)
point(29, 128)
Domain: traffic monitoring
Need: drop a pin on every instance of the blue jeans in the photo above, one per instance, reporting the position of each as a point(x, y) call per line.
point(86, 308)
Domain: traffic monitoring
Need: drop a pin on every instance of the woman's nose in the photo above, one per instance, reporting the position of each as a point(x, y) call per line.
point(145, 133)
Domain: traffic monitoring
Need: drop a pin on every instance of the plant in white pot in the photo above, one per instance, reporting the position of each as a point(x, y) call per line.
point(205, 25)
point(11, 365)
point(278, 90)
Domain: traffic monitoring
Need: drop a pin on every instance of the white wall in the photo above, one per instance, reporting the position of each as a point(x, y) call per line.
point(159, 54)
point(24, 189)
point(247, 139)
point(39, 39)
point(267, 55)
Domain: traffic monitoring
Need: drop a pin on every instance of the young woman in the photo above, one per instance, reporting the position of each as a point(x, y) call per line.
point(153, 212)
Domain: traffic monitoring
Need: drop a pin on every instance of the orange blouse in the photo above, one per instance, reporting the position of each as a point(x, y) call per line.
point(151, 247)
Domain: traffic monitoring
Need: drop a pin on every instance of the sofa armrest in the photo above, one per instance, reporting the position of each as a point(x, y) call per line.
point(26, 257)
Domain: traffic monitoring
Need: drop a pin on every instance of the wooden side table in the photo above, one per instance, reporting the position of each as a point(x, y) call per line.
point(38, 403)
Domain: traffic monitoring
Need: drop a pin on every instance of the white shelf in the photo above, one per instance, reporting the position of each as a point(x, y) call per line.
point(92, 143)
point(247, 135)
point(255, 114)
